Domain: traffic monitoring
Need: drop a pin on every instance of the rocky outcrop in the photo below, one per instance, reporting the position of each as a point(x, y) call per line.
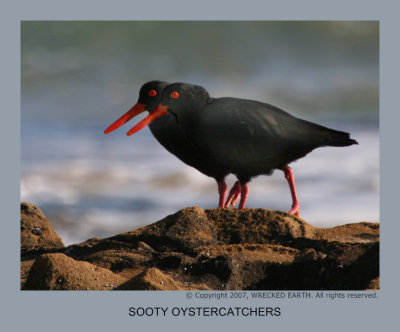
point(36, 230)
point(58, 271)
point(221, 249)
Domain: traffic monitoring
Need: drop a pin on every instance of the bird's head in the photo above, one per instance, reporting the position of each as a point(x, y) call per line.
point(176, 98)
point(179, 98)
point(149, 97)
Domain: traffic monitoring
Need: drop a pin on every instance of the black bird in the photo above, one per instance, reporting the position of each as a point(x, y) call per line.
point(244, 137)
point(168, 133)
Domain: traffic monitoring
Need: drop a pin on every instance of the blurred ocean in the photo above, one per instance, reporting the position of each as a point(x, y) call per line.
point(79, 77)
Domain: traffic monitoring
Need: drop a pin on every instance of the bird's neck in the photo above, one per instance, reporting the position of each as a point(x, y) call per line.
point(190, 112)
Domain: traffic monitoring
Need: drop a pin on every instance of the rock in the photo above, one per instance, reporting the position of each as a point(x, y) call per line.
point(374, 284)
point(58, 272)
point(175, 232)
point(36, 230)
point(154, 279)
point(25, 269)
point(227, 249)
point(194, 227)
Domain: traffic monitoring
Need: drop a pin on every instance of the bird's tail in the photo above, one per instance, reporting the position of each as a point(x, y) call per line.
point(339, 138)
point(325, 136)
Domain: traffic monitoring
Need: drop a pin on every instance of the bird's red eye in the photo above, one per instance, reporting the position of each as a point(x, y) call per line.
point(152, 93)
point(174, 95)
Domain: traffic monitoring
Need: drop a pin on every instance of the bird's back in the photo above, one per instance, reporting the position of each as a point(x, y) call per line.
point(254, 138)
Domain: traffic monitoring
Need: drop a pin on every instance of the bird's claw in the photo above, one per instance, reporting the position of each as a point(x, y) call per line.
point(235, 198)
point(295, 210)
point(234, 195)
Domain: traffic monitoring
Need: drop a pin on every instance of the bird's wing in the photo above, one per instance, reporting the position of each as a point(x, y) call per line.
point(250, 134)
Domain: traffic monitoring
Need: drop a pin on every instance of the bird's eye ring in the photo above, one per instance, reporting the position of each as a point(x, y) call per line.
point(152, 93)
point(174, 95)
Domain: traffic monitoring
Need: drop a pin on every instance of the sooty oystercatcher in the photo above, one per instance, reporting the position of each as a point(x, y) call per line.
point(244, 137)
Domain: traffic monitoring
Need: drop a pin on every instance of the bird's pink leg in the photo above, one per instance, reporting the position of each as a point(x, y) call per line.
point(290, 179)
point(222, 188)
point(234, 195)
point(237, 194)
point(244, 192)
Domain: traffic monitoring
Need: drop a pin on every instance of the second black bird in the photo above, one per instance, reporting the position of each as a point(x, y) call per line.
point(244, 137)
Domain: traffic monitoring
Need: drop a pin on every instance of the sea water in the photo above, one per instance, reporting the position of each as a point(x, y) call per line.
point(94, 185)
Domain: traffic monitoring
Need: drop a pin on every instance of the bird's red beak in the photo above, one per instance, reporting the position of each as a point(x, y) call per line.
point(159, 111)
point(135, 110)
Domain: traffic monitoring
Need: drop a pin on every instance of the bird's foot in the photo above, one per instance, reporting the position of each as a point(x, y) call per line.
point(295, 210)
point(234, 195)
point(244, 192)
point(235, 199)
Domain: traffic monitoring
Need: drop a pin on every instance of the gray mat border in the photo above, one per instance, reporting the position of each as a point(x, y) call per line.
point(107, 310)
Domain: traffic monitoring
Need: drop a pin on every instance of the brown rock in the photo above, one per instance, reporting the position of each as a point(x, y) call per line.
point(58, 272)
point(193, 227)
point(154, 279)
point(237, 266)
point(25, 268)
point(36, 230)
point(363, 232)
point(374, 284)
point(232, 249)
point(175, 231)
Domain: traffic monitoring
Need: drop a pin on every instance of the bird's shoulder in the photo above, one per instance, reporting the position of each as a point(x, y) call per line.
point(241, 113)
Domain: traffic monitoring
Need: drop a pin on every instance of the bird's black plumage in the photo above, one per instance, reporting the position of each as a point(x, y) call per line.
point(247, 137)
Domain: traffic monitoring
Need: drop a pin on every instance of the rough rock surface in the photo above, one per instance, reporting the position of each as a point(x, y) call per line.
point(214, 249)
point(37, 235)
point(58, 271)
point(36, 230)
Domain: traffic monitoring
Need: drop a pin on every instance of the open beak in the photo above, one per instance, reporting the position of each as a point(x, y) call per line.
point(135, 110)
point(159, 111)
